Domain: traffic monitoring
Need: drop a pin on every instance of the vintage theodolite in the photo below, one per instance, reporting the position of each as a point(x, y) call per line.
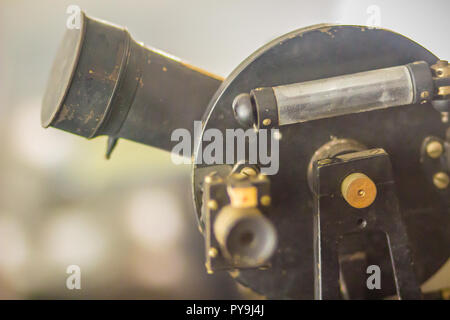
point(364, 151)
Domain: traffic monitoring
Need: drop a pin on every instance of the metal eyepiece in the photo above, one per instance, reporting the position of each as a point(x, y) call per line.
point(103, 82)
point(246, 237)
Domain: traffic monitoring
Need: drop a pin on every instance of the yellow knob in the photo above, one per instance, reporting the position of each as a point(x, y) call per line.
point(358, 190)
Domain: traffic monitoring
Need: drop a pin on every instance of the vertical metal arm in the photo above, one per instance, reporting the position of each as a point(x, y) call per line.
point(335, 217)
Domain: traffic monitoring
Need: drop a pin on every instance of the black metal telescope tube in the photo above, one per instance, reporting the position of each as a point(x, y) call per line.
point(105, 83)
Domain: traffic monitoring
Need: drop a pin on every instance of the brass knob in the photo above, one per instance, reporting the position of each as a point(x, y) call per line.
point(434, 149)
point(441, 180)
point(358, 190)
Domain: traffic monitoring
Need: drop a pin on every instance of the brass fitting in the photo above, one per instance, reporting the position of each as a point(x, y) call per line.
point(358, 190)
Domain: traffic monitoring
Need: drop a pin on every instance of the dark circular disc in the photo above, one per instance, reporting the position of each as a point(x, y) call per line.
point(319, 52)
point(64, 66)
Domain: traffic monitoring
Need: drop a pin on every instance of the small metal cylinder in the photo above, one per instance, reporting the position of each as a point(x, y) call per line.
point(337, 96)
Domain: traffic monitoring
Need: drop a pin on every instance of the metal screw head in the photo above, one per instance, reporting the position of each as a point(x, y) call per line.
point(262, 176)
point(441, 69)
point(324, 161)
point(424, 94)
point(212, 252)
point(434, 149)
point(267, 122)
point(441, 180)
point(266, 200)
point(249, 171)
point(358, 190)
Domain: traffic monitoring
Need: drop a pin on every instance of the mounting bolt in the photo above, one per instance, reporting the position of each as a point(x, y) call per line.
point(434, 149)
point(267, 122)
point(441, 180)
point(249, 171)
point(441, 69)
point(266, 200)
point(212, 252)
point(324, 161)
point(277, 135)
point(261, 176)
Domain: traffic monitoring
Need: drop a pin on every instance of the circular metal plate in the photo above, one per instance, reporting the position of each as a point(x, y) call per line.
point(314, 53)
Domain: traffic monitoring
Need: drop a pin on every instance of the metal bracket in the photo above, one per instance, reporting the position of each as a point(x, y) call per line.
point(334, 218)
point(216, 196)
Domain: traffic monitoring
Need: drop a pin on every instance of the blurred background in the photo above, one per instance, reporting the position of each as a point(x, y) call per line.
point(129, 222)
